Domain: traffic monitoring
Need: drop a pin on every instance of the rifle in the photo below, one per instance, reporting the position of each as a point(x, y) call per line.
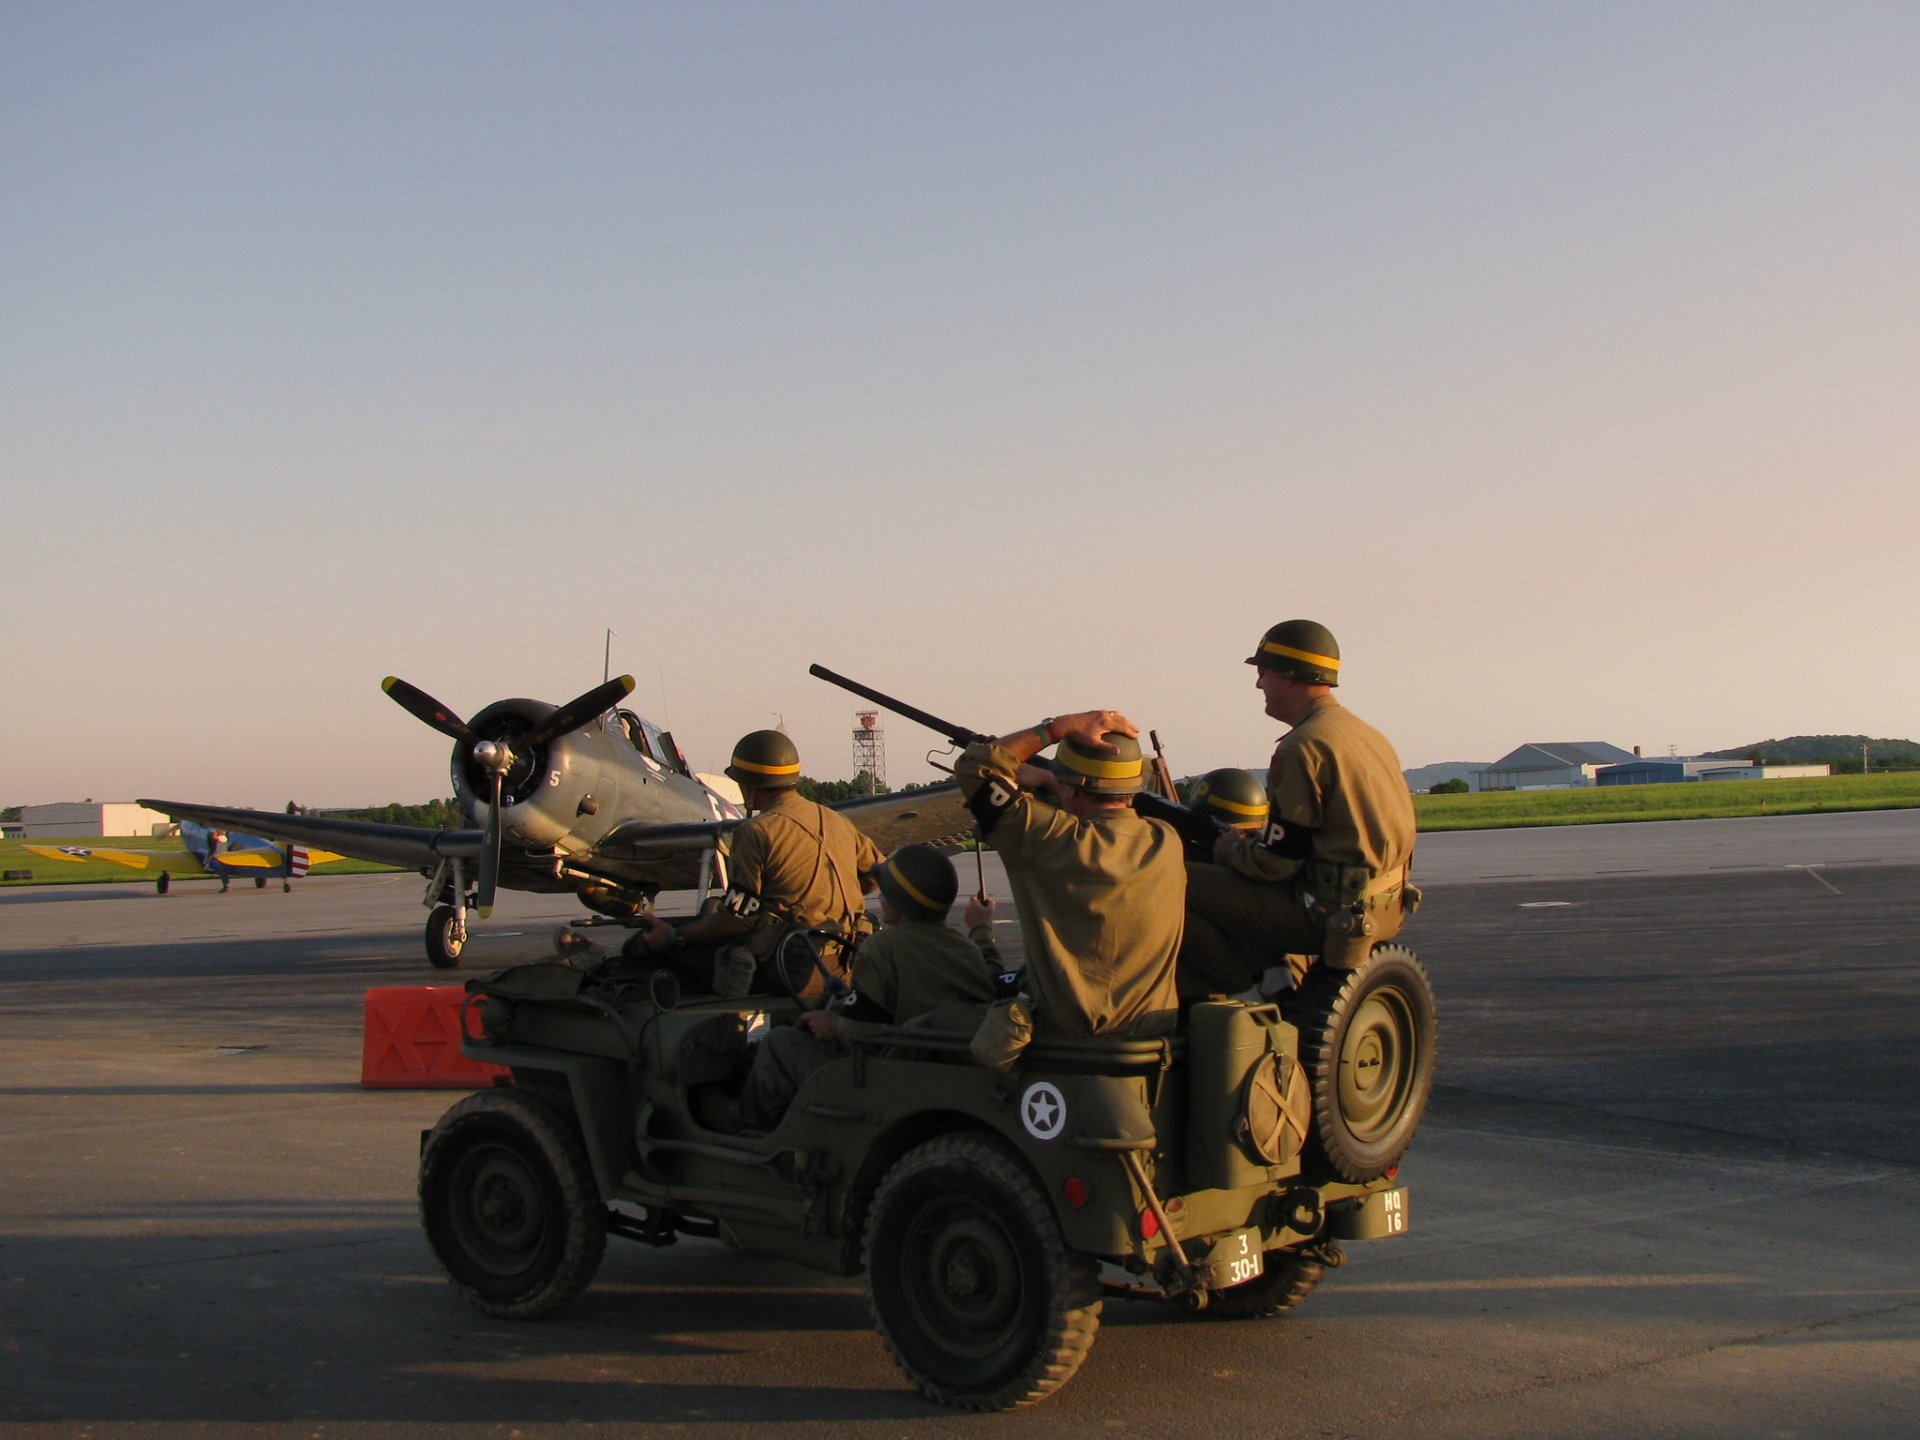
point(1197, 830)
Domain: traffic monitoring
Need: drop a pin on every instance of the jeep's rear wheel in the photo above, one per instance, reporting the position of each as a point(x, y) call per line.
point(1287, 1280)
point(509, 1204)
point(1367, 1040)
point(972, 1286)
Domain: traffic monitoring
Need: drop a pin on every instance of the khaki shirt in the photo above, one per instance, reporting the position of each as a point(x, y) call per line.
point(1337, 796)
point(1101, 901)
point(907, 970)
point(796, 864)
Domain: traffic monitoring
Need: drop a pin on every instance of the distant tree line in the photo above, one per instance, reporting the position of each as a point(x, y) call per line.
point(10, 812)
point(831, 792)
point(1842, 752)
point(432, 815)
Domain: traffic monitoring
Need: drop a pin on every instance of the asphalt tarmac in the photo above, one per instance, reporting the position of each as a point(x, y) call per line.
point(1667, 1185)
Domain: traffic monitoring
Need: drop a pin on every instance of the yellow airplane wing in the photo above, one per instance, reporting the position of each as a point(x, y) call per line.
point(249, 859)
point(80, 854)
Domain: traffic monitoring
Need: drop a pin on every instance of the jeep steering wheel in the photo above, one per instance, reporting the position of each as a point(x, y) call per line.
point(795, 973)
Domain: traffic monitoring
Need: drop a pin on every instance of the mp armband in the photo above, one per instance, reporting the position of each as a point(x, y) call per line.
point(992, 800)
point(859, 1007)
point(742, 904)
point(1288, 842)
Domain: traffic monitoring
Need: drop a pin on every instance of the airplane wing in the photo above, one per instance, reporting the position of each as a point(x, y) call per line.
point(263, 856)
point(933, 816)
point(80, 854)
point(409, 846)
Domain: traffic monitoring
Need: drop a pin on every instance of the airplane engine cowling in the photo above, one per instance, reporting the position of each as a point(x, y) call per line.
point(540, 793)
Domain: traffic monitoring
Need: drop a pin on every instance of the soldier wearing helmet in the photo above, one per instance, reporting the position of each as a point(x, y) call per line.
point(1326, 876)
point(1231, 796)
point(915, 964)
point(1098, 889)
point(792, 865)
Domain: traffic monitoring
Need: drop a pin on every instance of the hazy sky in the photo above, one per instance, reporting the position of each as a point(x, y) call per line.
point(1017, 358)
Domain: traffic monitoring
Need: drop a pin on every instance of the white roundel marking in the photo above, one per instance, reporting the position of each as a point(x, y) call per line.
point(1043, 1110)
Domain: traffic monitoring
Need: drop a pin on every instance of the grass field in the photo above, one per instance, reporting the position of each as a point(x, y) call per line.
point(168, 854)
point(1698, 800)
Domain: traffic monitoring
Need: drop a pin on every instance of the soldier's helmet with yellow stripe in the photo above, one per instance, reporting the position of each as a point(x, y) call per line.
point(1300, 650)
point(1232, 796)
point(919, 881)
point(764, 760)
point(1098, 772)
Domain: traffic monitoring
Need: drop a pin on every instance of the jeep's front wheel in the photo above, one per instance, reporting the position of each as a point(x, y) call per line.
point(972, 1286)
point(509, 1204)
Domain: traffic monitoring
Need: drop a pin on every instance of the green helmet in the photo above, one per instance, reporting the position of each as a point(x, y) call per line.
point(1300, 650)
point(1097, 772)
point(764, 760)
point(1231, 796)
point(919, 881)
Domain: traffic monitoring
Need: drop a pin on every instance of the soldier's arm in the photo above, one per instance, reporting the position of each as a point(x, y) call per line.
point(1295, 811)
point(739, 911)
point(874, 998)
point(979, 915)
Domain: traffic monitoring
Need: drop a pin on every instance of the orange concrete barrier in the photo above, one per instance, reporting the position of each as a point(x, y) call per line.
point(411, 1041)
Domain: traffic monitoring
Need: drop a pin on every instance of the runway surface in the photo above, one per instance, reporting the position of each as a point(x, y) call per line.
point(1667, 1185)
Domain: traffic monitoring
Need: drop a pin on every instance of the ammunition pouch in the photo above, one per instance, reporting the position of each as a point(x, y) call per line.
point(1350, 935)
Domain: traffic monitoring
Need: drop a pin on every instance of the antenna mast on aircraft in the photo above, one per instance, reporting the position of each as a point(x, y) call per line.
point(869, 750)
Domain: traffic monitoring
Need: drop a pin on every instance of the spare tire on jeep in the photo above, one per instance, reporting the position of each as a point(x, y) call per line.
point(1367, 1040)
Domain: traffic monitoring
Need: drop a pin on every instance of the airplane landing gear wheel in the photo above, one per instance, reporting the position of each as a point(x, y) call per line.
point(286, 887)
point(445, 938)
point(259, 882)
point(163, 884)
point(509, 1204)
point(1367, 1041)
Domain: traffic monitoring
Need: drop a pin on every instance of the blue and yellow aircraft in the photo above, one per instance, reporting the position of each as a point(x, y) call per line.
point(212, 851)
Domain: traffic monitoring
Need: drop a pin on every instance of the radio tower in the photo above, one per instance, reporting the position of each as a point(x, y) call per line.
point(869, 752)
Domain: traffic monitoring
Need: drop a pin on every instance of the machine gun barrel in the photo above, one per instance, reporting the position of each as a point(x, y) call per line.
point(955, 733)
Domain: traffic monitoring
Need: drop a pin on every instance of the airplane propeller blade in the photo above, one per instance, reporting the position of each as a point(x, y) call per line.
point(489, 855)
point(575, 713)
point(424, 708)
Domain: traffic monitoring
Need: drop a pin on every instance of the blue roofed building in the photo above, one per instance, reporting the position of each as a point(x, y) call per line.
point(1561, 765)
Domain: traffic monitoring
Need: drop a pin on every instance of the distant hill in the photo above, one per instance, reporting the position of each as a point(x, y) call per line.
point(1842, 752)
point(1423, 778)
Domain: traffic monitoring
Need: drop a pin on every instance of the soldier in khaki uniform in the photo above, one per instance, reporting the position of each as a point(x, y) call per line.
point(914, 965)
point(792, 865)
point(1099, 889)
point(1327, 877)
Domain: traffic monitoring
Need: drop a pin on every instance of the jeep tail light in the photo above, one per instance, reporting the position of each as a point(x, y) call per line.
point(1149, 1225)
point(1076, 1192)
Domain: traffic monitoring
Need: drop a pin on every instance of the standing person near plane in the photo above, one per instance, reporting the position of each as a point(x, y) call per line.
point(1327, 876)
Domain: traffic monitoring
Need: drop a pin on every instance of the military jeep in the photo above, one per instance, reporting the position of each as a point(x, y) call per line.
point(1219, 1168)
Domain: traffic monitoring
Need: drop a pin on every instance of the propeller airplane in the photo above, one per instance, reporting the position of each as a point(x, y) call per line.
point(583, 797)
point(223, 853)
